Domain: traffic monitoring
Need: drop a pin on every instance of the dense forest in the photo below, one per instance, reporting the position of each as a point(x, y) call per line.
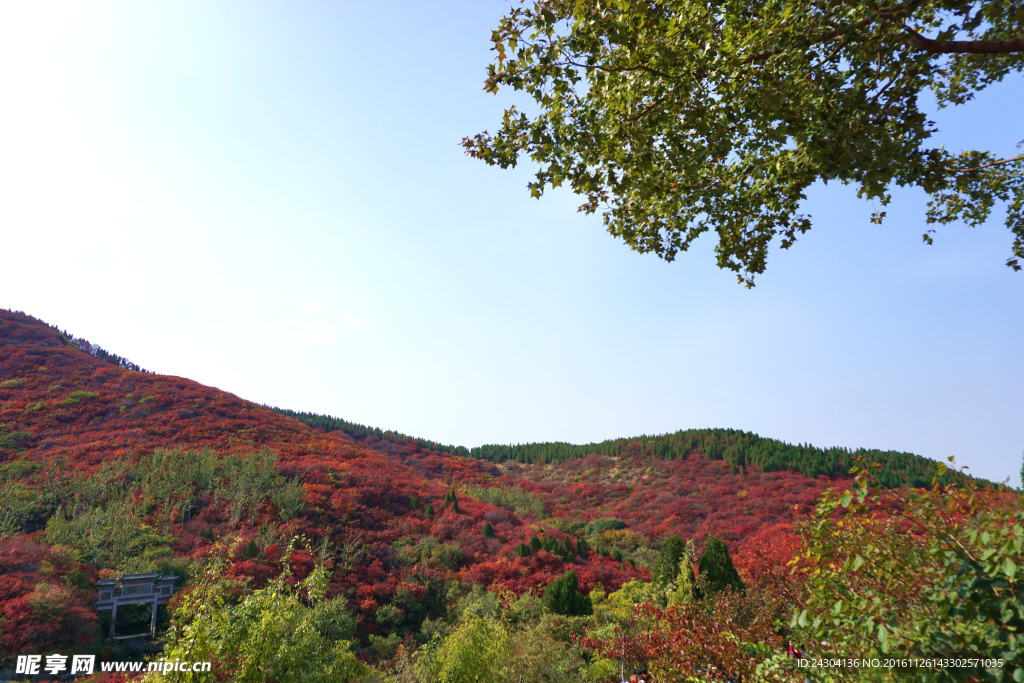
point(311, 548)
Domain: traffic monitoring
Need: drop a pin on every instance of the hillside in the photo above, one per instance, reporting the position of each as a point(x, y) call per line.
point(724, 482)
point(105, 468)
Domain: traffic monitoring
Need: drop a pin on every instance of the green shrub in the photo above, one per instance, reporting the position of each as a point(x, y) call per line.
point(604, 524)
point(78, 579)
point(79, 396)
point(19, 509)
point(513, 498)
point(289, 497)
point(13, 441)
point(448, 555)
point(270, 636)
point(18, 470)
point(475, 652)
point(334, 621)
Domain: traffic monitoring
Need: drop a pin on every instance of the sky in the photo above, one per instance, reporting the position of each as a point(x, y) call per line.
point(271, 198)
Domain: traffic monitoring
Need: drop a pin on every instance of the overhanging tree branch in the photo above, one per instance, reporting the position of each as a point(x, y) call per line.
point(970, 47)
point(994, 163)
point(671, 93)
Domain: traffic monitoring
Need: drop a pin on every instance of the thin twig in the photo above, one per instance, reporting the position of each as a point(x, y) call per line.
point(994, 163)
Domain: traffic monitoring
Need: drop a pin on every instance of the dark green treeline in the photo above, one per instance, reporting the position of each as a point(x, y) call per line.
point(738, 448)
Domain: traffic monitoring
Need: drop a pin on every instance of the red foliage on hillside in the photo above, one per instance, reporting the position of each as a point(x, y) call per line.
point(64, 413)
point(693, 497)
point(39, 610)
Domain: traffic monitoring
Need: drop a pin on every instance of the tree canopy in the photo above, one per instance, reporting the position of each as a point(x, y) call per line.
point(917, 574)
point(271, 635)
point(674, 118)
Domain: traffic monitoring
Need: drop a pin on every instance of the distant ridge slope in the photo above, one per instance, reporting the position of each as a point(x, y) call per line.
point(698, 482)
point(735, 447)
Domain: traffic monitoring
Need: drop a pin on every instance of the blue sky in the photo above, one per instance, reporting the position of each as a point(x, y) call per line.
point(270, 198)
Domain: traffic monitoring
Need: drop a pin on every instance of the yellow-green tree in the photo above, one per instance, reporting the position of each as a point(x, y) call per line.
point(474, 652)
point(269, 636)
point(924, 575)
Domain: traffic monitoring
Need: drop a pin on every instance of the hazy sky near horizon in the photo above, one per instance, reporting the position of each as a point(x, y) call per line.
point(271, 198)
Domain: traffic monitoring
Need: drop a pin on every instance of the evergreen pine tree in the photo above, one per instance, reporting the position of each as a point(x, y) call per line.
point(488, 531)
point(429, 512)
point(522, 550)
point(535, 543)
point(415, 502)
point(715, 570)
point(672, 549)
point(563, 596)
point(681, 589)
